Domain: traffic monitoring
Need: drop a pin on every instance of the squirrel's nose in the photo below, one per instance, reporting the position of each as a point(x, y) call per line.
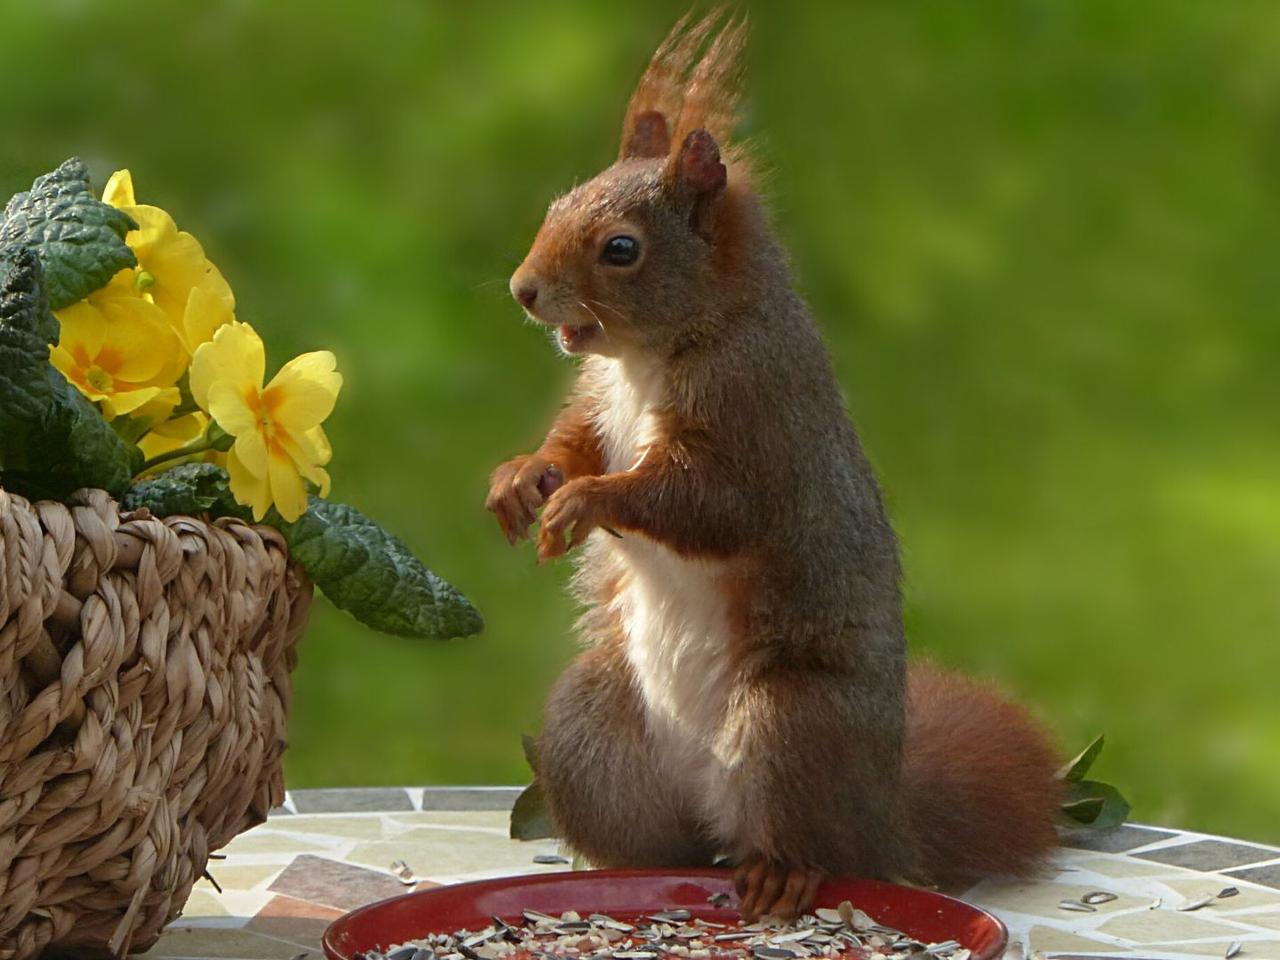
point(525, 292)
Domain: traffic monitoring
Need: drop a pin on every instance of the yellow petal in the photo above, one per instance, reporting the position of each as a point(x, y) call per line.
point(64, 363)
point(252, 491)
point(206, 311)
point(229, 407)
point(251, 451)
point(286, 488)
point(235, 356)
point(140, 339)
point(308, 451)
point(159, 407)
point(119, 190)
point(303, 393)
point(126, 401)
point(315, 445)
point(82, 325)
point(155, 229)
point(173, 434)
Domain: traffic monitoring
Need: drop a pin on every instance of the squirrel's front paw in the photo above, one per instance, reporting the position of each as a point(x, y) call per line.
point(518, 488)
point(767, 888)
point(576, 509)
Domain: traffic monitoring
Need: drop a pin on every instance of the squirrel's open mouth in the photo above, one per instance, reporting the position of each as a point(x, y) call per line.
point(574, 339)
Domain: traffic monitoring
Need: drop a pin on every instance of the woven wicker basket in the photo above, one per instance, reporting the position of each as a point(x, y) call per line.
point(144, 683)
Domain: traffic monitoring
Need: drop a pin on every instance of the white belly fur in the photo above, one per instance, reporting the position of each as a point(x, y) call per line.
point(675, 616)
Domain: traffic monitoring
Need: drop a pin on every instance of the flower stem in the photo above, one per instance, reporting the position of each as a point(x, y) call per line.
point(191, 449)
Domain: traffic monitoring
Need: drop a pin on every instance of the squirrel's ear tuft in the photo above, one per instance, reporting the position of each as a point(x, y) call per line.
point(648, 136)
point(697, 166)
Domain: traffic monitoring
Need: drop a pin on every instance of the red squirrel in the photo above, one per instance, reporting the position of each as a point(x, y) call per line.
point(744, 690)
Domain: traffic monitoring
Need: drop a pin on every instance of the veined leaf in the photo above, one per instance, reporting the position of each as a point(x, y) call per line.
point(78, 238)
point(1074, 770)
point(52, 440)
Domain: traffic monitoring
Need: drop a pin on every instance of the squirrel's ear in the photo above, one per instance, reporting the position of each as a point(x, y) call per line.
point(648, 136)
point(696, 171)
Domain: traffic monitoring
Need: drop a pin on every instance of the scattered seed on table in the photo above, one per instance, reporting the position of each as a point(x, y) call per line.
point(1226, 892)
point(550, 858)
point(1196, 904)
point(1076, 906)
point(1232, 950)
point(1098, 896)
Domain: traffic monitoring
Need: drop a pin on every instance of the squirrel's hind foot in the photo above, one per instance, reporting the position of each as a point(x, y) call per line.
point(769, 889)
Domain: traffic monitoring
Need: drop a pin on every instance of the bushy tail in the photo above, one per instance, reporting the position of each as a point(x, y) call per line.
point(979, 778)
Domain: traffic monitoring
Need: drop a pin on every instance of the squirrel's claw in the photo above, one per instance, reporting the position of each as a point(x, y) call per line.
point(768, 889)
point(516, 493)
point(573, 510)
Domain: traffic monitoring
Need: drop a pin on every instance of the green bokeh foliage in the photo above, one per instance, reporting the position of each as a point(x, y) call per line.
point(1040, 236)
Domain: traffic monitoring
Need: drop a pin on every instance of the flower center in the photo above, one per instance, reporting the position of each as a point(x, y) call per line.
point(99, 379)
point(143, 279)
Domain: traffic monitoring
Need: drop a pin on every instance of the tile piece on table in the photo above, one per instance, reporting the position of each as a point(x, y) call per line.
point(1194, 887)
point(1054, 941)
point(1164, 925)
point(1216, 950)
point(1268, 920)
point(437, 854)
point(265, 840)
point(1209, 855)
point(361, 827)
point(298, 921)
point(217, 943)
point(238, 876)
point(1127, 836)
point(331, 883)
point(356, 799)
point(1120, 867)
point(1040, 899)
point(1268, 875)
point(498, 821)
point(469, 798)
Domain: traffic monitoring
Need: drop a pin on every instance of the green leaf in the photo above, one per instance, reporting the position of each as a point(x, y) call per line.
point(1074, 770)
point(360, 567)
point(529, 817)
point(52, 440)
point(79, 239)
point(1095, 804)
point(190, 488)
point(530, 745)
point(371, 574)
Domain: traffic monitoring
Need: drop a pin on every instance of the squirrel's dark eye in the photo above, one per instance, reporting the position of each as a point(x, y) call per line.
point(620, 251)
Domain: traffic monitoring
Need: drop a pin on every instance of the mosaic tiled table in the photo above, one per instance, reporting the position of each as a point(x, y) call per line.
point(328, 851)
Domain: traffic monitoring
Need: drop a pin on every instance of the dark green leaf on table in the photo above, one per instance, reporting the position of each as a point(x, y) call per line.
point(529, 817)
point(1076, 769)
point(79, 239)
point(1095, 804)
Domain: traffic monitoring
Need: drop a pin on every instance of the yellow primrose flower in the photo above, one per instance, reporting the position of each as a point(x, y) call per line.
point(171, 262)
point(116, 352)
point(279, 439)
point(175, 434)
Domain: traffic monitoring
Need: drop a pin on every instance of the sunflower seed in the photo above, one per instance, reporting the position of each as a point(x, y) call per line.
point(771, 953)
point(670, 916)
point(719, 899)
point(1098, 896)
point(1196, 904)
point(533, 916)
point(1232, 950)
point(827, 915)
point(601, 920)
point(1226, 892)
point(550, 858)
point(403, 873)
point(1155, 904)
point(1076, 906)
point(945, 947)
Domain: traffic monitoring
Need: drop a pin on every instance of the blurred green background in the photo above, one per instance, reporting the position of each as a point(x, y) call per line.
point(1041, 238)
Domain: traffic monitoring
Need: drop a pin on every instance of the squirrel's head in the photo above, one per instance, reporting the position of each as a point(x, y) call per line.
point(620, 259)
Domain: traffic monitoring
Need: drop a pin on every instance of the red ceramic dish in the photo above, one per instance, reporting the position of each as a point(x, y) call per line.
point(922, 914)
